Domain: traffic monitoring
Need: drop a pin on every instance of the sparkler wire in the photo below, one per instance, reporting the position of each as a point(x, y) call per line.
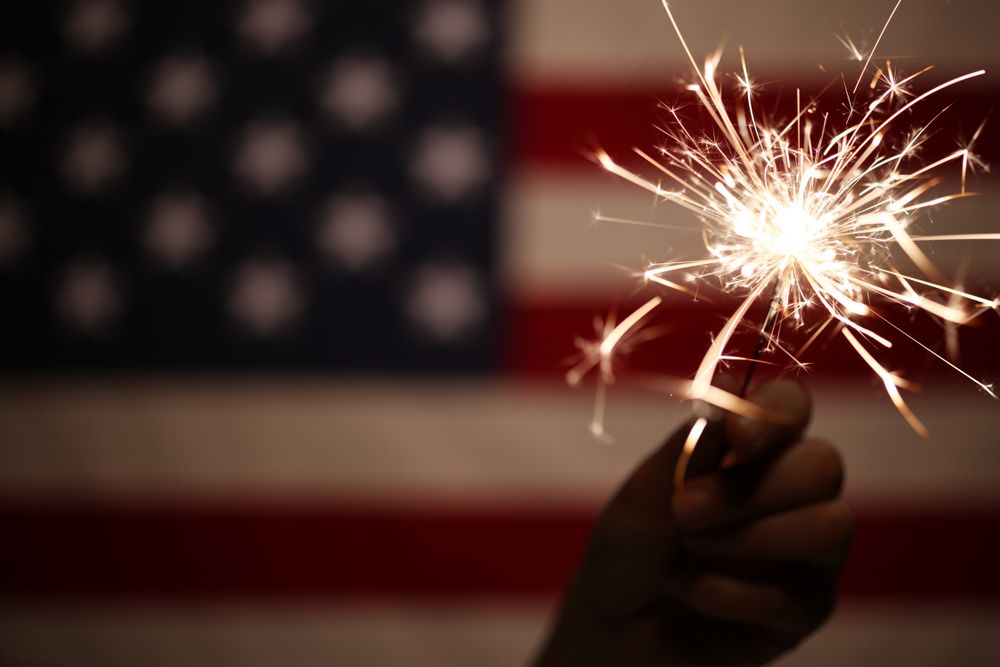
point(772, 311)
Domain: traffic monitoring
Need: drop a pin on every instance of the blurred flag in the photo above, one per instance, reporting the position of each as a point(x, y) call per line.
point(260, 184)
point(351, 192)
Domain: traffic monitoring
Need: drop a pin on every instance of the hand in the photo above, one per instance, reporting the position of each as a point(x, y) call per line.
point(734, 569)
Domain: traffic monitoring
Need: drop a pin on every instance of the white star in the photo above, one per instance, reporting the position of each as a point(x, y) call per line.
point(182, 87)
point(88, 298)
point(178, 229)
point(355, 231)
point(270, 25)
point(446, 301)
point(94, 157)
point(271, 155)
point(17, 90)
point(451, 161)
point(360, 92)
point(452, 29)
point(265, 298)
point(93, 25)
point(14, 235)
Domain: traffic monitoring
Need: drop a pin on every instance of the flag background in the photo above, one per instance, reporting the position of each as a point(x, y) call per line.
point(215, 449)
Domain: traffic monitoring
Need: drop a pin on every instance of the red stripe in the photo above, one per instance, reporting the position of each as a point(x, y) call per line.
point(558, 127)
point(205, 553)
point(121, 553)
point(934, 555)
point(540, 338)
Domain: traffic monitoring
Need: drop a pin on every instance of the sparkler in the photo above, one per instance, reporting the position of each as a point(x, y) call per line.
point(805, 211)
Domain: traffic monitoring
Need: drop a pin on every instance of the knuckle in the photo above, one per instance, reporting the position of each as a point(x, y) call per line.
point(795, 616)
point(836, 524)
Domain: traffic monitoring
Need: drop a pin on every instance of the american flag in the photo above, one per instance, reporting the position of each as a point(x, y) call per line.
point(286, 286)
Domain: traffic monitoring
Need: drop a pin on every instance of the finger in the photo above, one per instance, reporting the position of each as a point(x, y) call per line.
point(727, 598)
point(748, 436)
point(808, 472)
point(819, 534)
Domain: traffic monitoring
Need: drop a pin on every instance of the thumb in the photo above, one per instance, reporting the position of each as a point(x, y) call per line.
point(648, 491)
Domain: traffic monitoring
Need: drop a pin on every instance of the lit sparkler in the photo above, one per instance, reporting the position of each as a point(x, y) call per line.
point(806, 212)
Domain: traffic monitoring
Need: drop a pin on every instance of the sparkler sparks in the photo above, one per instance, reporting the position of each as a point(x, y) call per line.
point(601, 354)
point(806, 211)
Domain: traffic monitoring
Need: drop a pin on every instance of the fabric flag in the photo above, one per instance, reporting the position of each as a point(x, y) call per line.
point(288, 292)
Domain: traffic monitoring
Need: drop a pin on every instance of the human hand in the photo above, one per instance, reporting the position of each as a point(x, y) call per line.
point(731, 570)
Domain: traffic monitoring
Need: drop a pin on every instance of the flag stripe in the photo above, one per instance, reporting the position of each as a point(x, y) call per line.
point(322, 553)
point(444, 443)
point(585, 41)
point(558, 127)
point(487, 633)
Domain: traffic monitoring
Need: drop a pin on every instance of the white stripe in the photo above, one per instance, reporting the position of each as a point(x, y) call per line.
point(485, 635)
point(270, 636)
point(461, 442)
point(551, 244)
point(915, 636)
point(606, 43)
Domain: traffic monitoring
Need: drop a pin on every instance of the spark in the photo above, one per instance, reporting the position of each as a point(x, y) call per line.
point(613, 342)
point(689, 444)
point(848, 44)
point(881, 34)
point(807, 209)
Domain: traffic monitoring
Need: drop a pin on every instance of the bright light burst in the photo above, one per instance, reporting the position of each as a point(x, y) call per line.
point(805, 211)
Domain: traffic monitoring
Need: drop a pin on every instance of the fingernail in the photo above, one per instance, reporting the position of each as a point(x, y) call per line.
point(691, 505)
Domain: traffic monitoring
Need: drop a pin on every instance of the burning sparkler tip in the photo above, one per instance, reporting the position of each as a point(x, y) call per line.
point(811, 210)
